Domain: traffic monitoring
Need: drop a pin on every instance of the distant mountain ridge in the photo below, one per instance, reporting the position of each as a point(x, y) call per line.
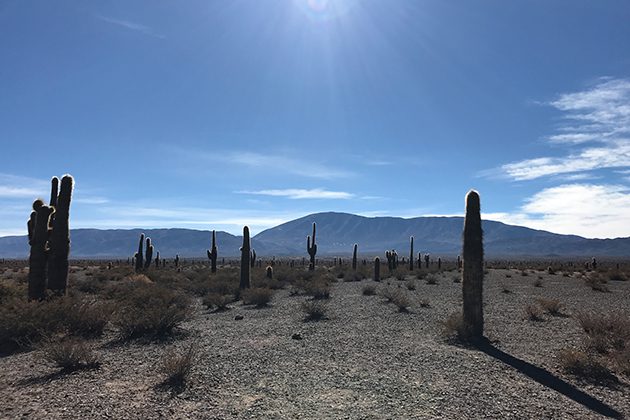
point(336, 234)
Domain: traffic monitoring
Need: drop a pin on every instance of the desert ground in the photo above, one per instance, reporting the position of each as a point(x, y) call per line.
point(333, 343)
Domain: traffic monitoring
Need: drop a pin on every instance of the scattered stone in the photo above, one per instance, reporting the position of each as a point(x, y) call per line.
point(238, 317)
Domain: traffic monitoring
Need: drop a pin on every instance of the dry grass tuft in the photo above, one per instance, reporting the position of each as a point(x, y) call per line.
point(314, 310)
point(70, 354)
point(533, 313)
point(177, 368)
point(551, 306)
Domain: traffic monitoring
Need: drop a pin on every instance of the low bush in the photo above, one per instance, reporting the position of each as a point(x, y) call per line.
point(369, 290)
point(69, 354)
point(411, 285)
point(584, 365)
point(314, 310)
point(431, 279)
point(151, 311)
point(533, 313)
point(551, 306)
point(258, 296)
point(596, 282)
point(217, 301)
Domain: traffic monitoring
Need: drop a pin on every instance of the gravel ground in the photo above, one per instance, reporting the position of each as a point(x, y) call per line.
point(365, 361)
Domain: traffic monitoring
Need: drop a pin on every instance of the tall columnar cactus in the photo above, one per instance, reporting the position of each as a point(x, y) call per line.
point(427, 260)
point(38, 232)
point(176, 260)
point(377, 269)
point(311, 248)
point(157, 260)
point(354, 256)
point(213, 254)
point(60, 235)
point(269, 272)
point(459, 262)
point(390, 260)
point(411, 254)
point(245, 259)
point(472, 276)
point(149, 254)
point(139, 255)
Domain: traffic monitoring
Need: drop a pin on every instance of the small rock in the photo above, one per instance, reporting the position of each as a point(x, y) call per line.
point(296, 336)
point(238, 317)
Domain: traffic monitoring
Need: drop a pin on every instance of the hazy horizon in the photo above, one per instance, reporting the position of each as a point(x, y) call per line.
point(215, 114)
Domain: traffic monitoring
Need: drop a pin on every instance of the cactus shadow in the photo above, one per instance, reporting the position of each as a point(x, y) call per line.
point(546, 378)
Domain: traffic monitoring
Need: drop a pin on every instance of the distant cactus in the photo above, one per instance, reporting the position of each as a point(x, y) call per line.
point(472, 276)
point(245, 259)
point(149, 254)
point(139, 256)
point(213, 253)
point(377, 269)
point(439, 263)
point(459, 262)
point(270, 271)
point(311, 248)
point(354, 256)
point(49, 238)
point(411, 254)
point(157, 260)
point(176, 260)
point(253, 258)
point(594, 263)
point(427, 260)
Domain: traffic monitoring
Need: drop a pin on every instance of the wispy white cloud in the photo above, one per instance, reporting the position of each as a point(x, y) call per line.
point(133, 26)
point(613, 155)
point(300, 193)
point(599, 115)
point(15, 186)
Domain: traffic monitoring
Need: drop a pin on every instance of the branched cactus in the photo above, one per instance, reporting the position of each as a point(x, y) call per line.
point(411, 254)
point(354, 256)
point(253, 258)
point(213, 253)
point(311, 248)
point(472, 277)
point(245, 260)
point(377, 269)
point(176, 260)
point(49, 238)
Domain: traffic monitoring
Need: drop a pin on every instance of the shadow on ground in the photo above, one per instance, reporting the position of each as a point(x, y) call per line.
point(547, 379)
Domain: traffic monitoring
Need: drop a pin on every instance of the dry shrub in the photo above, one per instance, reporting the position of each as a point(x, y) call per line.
point(151, 311)
point(504, 289)
point(605, 333)
point(396, 296)
point(551, 306)
point(318, 289)
point(177, 368)
point(424, 303)
point(258, 296)
point(585, 366)
point(454, 329)
point(596, 282)
point(538, 283)
point(23, 323)
point(217, 301)
point(369, 290)
point(69, 354)
point(617, 275)
point(533, 313)
point(431, 279)
point(314, 310)
point(10, 290)
point(411, 285)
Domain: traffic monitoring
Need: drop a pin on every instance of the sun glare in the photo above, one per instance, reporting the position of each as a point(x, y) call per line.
point(326, 9)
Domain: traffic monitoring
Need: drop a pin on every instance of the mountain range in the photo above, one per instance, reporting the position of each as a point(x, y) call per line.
point(336, 234)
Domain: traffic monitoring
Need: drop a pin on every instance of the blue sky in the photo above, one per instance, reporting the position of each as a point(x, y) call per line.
point(215, 114)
